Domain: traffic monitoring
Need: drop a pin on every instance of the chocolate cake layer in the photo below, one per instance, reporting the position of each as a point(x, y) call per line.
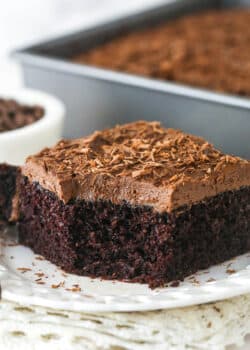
point(8, 176)
point(208, 49)
point(134, 243)
point(141, 163)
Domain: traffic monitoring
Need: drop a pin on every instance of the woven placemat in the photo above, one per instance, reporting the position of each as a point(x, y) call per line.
point(212, 326)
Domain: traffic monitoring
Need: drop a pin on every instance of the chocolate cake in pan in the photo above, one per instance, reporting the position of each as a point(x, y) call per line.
point(205, 49)
point(137, 202)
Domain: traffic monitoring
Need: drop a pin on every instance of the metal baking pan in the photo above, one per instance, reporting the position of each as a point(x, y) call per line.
point(97, 98)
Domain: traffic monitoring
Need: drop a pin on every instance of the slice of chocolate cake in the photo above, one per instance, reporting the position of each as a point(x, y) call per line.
point(8, 176)
point(137, 202)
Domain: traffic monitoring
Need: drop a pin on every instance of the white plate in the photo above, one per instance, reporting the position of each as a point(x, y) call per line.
point(27, 279)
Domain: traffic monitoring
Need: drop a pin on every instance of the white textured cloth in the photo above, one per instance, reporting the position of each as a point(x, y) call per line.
point(212, 326)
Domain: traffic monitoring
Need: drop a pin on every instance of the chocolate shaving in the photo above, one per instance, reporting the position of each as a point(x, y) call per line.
point(74, 289)
point(39, 274)
point(14, 115)
point(23, 269)
point(59, 285)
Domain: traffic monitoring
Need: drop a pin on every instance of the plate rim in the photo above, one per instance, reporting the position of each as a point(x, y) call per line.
point(18, 289)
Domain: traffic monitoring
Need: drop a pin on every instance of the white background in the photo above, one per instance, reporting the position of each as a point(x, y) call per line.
point(25, 21)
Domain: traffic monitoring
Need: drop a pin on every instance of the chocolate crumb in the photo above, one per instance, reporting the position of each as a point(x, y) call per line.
point(175, 284)
point(38, 280)
point(211, 279)
point(216, 309)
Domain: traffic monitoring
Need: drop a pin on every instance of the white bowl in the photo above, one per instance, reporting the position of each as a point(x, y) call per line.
point(16, 145)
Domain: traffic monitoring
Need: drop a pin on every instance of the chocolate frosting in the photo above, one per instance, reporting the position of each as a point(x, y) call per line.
point(142, 163)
